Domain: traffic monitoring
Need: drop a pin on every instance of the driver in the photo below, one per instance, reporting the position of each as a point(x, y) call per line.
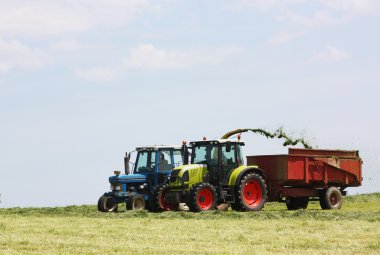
point(163, 163)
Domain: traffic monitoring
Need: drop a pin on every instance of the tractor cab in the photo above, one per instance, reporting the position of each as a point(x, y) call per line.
point(155, 163)
point(220, 156)
point(152, 166)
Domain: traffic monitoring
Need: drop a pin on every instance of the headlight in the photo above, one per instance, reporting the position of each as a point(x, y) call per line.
point(116, 187)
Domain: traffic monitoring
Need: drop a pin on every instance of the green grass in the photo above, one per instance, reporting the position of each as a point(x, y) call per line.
point(355, 229)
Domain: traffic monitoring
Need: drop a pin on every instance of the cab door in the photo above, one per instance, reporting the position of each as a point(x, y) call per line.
point(164, 164)
point(145, 164)
point(229, 162)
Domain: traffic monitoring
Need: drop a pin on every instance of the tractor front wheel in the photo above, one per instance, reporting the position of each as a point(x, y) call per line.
point(107, 204)
point(159, 202)
point(251, 193)
point(202, 197)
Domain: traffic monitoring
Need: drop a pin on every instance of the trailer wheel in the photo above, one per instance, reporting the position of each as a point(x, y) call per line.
point(296, 203)
point(202, 197)
point(251, 193)
point(158, 202)
point(135, 203)
point(107, 204)
point(331, 198)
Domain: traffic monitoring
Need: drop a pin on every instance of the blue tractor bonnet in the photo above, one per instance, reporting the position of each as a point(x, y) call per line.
point(130, 178)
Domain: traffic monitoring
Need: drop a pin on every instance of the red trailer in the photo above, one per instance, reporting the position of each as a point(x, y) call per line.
point(310, 174)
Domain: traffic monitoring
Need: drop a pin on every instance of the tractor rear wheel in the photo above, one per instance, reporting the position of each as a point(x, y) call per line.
point(158, 201)
point(107, 204)
point(251, 193)
point(296, 203)
point(331, 198)
point(135, 203)
point(202, 197)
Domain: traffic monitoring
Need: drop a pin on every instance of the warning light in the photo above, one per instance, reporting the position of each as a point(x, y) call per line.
point(239, 136)
point(204, 138)
point(184, 142)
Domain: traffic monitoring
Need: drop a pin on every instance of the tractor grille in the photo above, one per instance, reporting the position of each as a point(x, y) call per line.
point(116, 186)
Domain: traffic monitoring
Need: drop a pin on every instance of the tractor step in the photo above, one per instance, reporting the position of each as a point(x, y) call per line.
point(228, 195)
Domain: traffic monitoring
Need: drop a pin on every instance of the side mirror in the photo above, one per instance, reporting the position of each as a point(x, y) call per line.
point(126, 163)
point(228, 147)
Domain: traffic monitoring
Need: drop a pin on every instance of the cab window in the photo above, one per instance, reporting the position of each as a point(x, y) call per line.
point(228, 158)
point(178, 160)
point(239, 155)
point(145, 161)
point(205, 154)
point(164, 161)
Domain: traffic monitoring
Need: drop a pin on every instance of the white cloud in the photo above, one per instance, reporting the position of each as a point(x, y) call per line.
point(4, 67)
point(299, 25)
point(263, 4)
point(330, 54)
point(22, 20)
point(15, 55)
point(147, 57)
point(285, 36)
point(68, 45)
point(326, 13)
point(101, 74)
point(353, 6)
point(357, 6)
point(45, 17)
point(318, 19)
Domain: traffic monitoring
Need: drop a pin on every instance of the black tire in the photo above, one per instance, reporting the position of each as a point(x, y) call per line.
point(135, 203)
point(331, 198)
point(236, 206)
point(107, 204)
point(158, 202)
point(296, 203)
point(250, 193)
point(100, 204)
point(202, 197)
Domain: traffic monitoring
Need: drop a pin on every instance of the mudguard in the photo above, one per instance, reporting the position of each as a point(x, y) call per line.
point(239, 172)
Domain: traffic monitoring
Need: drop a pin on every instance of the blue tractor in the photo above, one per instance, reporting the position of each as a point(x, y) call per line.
point(149, 172)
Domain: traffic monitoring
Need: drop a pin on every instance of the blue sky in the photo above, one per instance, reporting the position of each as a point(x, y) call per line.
point(81, 82)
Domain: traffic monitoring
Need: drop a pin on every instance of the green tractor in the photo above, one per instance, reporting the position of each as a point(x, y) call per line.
point(216, 175)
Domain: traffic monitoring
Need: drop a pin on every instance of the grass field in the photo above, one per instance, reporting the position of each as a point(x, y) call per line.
point(355, 229)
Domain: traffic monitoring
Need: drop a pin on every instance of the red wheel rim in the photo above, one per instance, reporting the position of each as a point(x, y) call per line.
point(334, 199)
point(252, 193)
point(165, 205)
point(205, 199)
